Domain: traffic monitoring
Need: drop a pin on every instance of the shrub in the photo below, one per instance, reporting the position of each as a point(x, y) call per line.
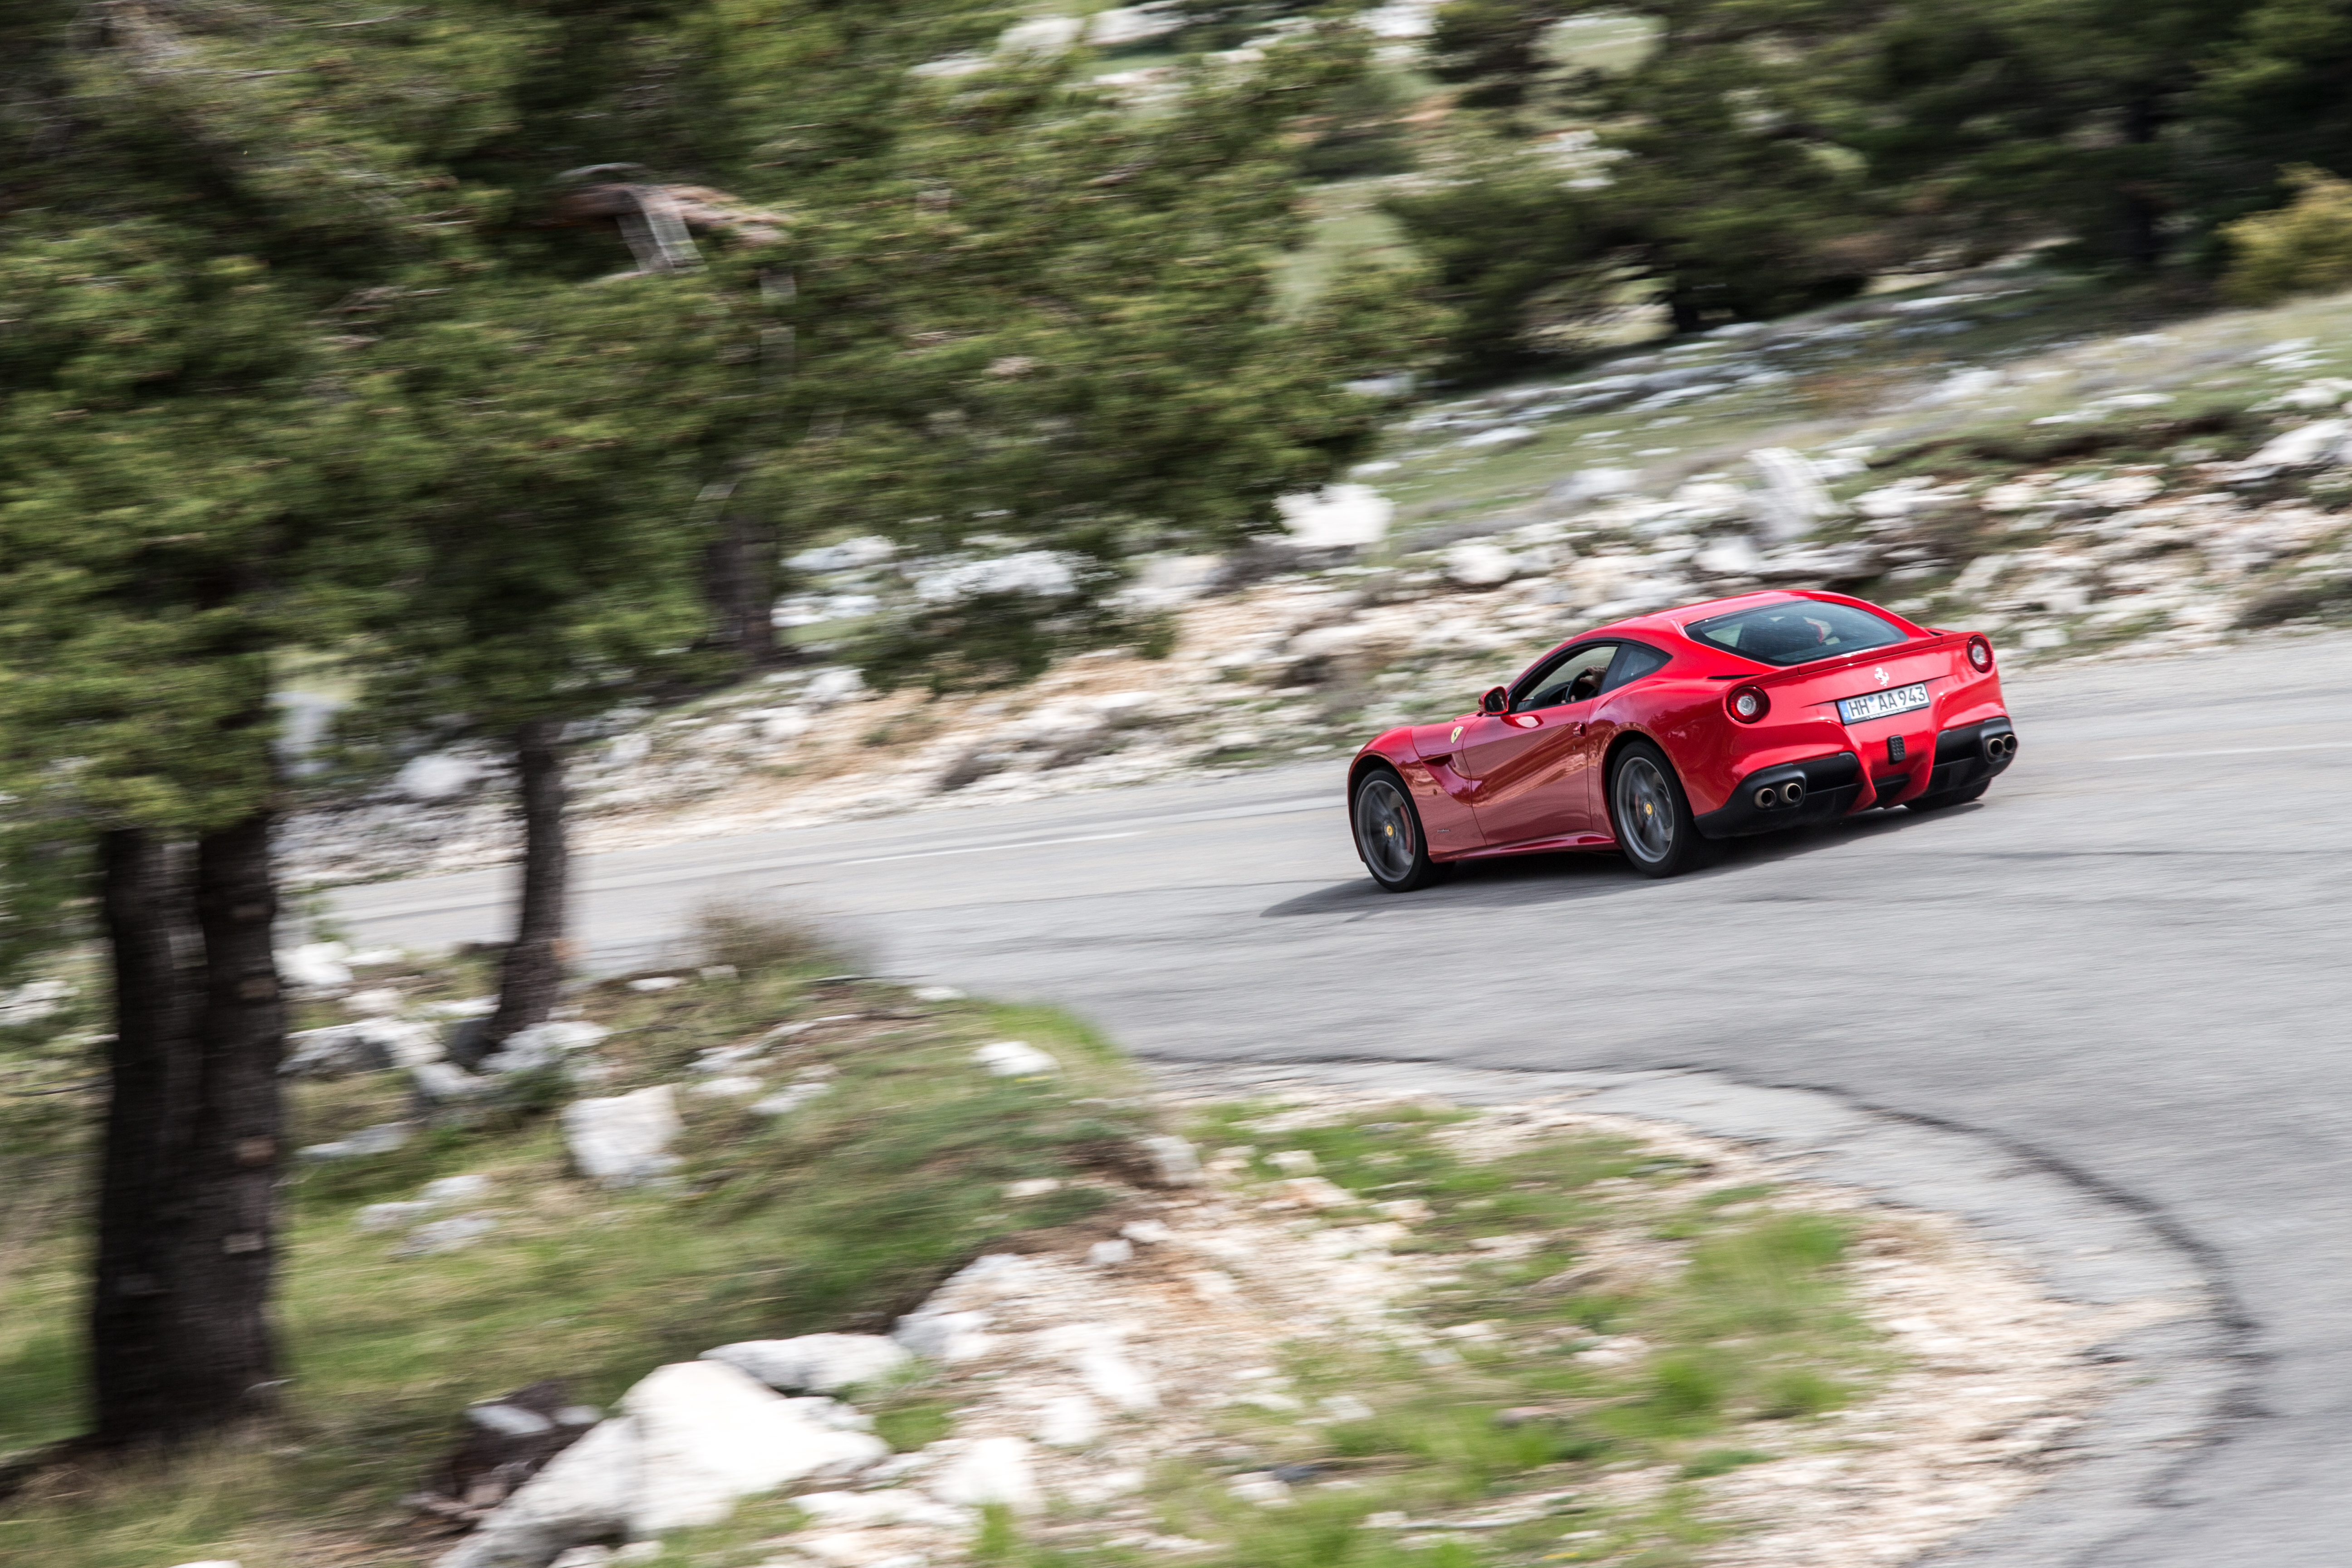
point(2304, 247)
point(751, 936)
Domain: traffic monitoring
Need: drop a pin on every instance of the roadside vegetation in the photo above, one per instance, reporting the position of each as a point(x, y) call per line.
point(1596, 1307)
point(838, 1216)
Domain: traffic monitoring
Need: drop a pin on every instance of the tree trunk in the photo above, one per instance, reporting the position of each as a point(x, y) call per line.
point(2143, 210)
point(531, 981)
point(181, 1340)
point(1681, 308)
point(740, 580)
point(227, 1339)
point(137, 1295)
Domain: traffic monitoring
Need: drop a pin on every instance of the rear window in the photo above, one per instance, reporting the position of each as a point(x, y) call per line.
point(1796, 632)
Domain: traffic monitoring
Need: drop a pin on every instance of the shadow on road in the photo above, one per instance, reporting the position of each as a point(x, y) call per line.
point(1523, 879)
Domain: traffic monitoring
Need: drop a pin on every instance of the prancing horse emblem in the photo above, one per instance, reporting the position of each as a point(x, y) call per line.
point(1881, 673)
point(1456, 736)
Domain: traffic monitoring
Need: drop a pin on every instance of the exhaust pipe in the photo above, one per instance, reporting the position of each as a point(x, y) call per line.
point(1766, 798)
point(1997, 747)
point(1792, 793)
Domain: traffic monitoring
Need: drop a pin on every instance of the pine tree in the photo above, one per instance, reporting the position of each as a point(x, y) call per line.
point(193, 189)
point(551, 444)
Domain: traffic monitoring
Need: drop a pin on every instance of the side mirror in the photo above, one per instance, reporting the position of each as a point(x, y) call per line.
point(1497, 700)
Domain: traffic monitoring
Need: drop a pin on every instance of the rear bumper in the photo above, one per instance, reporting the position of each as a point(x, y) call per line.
point(1964, 755)
point(1832, 785)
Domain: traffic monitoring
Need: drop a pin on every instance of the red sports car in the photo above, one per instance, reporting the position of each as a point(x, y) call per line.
point(1658, 735)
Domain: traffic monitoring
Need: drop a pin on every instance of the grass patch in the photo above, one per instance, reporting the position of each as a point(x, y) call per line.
point(838, 1215)
point(1711, 1312)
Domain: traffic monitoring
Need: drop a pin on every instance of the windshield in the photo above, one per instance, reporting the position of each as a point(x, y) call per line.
point(1796, 632)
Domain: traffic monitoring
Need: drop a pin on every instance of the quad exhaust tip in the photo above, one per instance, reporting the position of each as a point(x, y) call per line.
point(1999, 746)
point(1792, 793)
point(1770, 796)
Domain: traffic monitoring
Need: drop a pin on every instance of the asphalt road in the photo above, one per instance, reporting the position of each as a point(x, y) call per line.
point(2132, 958)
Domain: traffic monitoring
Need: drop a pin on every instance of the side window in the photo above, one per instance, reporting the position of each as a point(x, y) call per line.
point(1573, 677)
point(1633, 661)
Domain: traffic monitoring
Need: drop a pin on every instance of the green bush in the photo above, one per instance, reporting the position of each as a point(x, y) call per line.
point(2304, 247)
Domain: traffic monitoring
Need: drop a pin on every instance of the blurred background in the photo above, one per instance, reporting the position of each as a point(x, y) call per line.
point(439, 434)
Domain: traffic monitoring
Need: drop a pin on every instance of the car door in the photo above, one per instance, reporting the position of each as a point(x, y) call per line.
point(1528, 768)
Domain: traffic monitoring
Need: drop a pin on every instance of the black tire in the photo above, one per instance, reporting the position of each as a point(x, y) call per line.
point(1960, 796)
point(1389, 838)
point(1651, 816)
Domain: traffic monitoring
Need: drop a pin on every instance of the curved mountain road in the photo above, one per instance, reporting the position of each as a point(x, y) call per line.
point(2132, 959)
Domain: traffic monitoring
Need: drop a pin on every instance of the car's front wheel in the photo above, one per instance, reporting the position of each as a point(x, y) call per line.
point(1388, 835)
point(1651, 816)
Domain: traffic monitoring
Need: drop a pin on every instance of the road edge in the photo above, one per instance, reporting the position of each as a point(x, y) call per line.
point(2179, 1386)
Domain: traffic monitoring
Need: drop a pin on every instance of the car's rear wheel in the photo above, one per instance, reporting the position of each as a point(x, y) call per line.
point(1960, 796)
point(1651, 816)
point(1388, 835)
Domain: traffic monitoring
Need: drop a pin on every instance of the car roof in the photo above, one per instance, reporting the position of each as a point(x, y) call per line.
point(1670, 622)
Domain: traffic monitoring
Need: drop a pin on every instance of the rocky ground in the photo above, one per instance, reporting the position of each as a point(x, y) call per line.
point(1094, 1379)
point(2071, 494)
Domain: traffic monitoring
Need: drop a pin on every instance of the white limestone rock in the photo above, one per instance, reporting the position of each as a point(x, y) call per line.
point(1587, 484)
point(394, 1215)
point(896, 1507)
point(376, 1002)
point(948, 1337)
point(446, 1235)
point(709, 1435)
point(1501, 435)
point(1015, 1059)
point(728, 1088)
point(1175, 1161)
point(1793, 499)
point(1041, 36)
point(589, 1490)
point(315, 966)
point(788, 1099)
point(1069, 1421)
point(1480, 565)
point(990, 1470)
point(1124, 25)
point(1110, 1374)
point(815, 1364)
point(367, 1044)
point(446, 1083)
point(621, 1140)
point(437, 776)
point(2305, 446)
point(459, 1189)
point(1736, 556)
point(381, 1139)
point(1347, 516)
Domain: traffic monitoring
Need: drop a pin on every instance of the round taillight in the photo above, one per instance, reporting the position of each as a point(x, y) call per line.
point(1748, 704)
point(1980, 653)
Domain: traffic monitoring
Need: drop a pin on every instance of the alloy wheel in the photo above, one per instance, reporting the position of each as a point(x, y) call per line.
point(1385, 827)
point(1645, 809)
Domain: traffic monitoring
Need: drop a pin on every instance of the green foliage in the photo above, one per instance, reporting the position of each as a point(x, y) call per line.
point(1722, 1462)
point(1766, 156)
point(1499, 242)
point(891, 1180)
point(2305, 247)
point(544, 450)
point(908, 1425)
point(1360, 132)
point(1494, 47)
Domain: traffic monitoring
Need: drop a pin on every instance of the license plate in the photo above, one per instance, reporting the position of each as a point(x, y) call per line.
point(1879, 704)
